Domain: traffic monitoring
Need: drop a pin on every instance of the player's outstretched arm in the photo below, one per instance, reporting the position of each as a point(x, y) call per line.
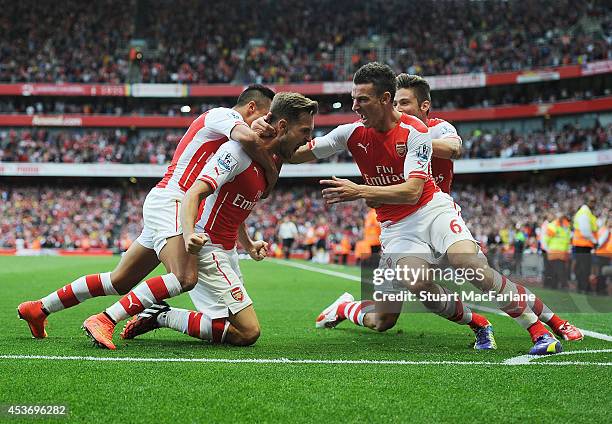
point(303, 154)
point(447, 148)
point(189, 212)
point(343, 190)
point(255, 148)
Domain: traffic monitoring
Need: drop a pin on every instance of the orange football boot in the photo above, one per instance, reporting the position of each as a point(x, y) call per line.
point(32, 313)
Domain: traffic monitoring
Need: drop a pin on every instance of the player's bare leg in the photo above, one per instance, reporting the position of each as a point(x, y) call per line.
point(465, 254)
point(241, 329)
point(383, 321)
point(446, 303)
point(244, 329)
point(135, 264)
point(180, 263)
point(381, 316)
point(181, 277)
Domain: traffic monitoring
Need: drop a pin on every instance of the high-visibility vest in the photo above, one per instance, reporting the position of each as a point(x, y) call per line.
point(558, 238)
point(606, 248)
point(579, 239)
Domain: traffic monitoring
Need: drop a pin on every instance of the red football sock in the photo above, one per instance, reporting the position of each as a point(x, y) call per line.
point(355, 311)
point(478, 321)
point(555, 322)
point(537, 330)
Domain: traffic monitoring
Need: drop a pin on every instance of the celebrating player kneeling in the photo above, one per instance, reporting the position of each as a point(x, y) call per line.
point(231, 184)
point(160, 239)
point(419, 222)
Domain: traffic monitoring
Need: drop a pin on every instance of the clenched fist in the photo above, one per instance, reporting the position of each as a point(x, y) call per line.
point(258, 250)
point(194, 242)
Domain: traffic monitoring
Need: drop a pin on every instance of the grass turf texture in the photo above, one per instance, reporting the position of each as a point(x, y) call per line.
point(287, 301)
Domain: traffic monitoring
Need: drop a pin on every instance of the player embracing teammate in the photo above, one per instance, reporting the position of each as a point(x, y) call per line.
point(419, 222)
point(230, 184)
point(160, 239)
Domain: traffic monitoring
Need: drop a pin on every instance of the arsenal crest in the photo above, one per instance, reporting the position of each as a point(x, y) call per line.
point(400, 148)
point(237, 294)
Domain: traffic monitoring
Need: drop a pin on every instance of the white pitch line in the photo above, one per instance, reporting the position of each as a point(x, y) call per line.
point(526, 359)
point(596, 335)
point(319, 270)
point(593, 334)
point(290, 361)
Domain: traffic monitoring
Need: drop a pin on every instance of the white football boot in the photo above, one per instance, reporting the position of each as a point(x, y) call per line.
point(329, 317)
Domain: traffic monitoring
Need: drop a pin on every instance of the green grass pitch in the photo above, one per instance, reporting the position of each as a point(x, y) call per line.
point(287, 300)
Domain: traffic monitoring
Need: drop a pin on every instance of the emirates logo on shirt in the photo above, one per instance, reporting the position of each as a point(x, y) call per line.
point(400, 148)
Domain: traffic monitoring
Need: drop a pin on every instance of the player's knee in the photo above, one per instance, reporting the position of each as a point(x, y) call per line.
point(249, 336)
point(187, 279)
point(384, 323)
point(420, 286)
point(121, 282)
point(467, 261)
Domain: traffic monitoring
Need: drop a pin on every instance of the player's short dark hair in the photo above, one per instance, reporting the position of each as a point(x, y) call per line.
point(418, 85)
point(291, 106)
point(255, 93)
point(378, 74)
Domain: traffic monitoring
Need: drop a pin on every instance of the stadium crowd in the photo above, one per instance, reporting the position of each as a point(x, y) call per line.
point(157, 147)
point(272, 41)
point(504, 144)
point(110, 217)
point(54, 217)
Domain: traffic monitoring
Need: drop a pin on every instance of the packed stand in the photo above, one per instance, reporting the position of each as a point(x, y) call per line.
point(287, 41)
point(53, 217)
point(504, 144)
point(69, 41)
point(158, 147)
point(62, 217)
point(87, 146)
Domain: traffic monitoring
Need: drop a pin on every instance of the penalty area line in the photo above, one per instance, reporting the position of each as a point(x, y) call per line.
point(589, 333)
point(293, 361)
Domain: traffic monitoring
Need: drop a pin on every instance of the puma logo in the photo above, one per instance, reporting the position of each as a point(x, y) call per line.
point(365, 148)
point(131, 301)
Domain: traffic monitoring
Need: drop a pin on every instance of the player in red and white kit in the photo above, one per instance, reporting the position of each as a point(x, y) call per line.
point(419, 222)
point(413, 97)
point(231, 184)
point(159, 241)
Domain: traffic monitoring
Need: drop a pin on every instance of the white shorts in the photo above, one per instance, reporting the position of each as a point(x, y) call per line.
point(425, 234)
point(161, 218)
point(220, 289)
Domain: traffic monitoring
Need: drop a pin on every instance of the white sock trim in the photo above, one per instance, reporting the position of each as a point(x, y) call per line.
point(107, 285)
point(172, 284)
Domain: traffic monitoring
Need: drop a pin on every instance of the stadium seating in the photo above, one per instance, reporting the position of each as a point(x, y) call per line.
point(157, 147)
point(110, 217)
point(445, 37)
